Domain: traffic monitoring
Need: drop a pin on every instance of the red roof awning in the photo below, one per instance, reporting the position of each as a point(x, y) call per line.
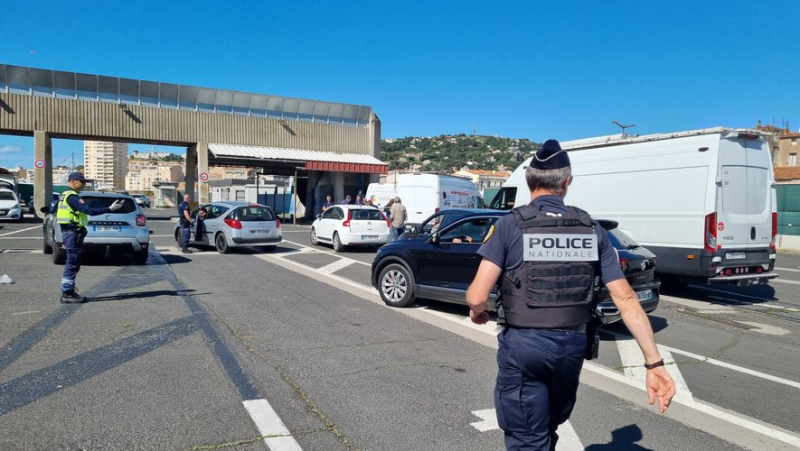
point(334, 166)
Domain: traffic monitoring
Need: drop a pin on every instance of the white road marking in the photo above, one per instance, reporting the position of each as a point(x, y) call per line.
point(568, 439)
point(700, 306)
point(26, 313)
point(787, 269)
point(336, 266)
point(20, 251)
point(269, 424)
point(24, 238)
point(736, 419)
point(790, 282)
point(331, 252)
point(23, 230)
point(633, 363)
point(766, 329)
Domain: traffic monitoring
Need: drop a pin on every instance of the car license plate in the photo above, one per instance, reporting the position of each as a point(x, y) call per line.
point(735, 255)
point(369, 237)
point(259, 232)
point(645, 295)
point(106, 228)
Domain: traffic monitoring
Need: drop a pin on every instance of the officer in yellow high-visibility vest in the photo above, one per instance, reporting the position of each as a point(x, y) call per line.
point(72, 216)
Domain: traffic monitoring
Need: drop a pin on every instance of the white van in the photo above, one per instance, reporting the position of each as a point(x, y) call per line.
point(426, 194)
point(380, 194)
point(703, 201)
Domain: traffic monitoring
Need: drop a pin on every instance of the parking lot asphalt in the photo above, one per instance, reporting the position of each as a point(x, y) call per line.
point(185, 352)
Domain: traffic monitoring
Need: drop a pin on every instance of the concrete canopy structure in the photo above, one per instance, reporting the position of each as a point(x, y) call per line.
point(45, 104)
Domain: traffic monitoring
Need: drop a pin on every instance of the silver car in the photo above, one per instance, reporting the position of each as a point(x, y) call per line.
point(233, 224)
point(124, 230)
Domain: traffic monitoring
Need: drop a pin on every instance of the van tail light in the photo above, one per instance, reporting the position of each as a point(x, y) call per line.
point(234, 223)
point(711, 233)
point(346, 222)
point(141, 220)
point(774, 231)
point(277, 223)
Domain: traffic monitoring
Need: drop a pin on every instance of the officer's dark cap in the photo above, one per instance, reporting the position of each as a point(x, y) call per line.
point(550, 156)
point(76, 176)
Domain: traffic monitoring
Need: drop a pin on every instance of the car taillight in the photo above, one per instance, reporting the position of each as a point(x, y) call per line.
point(141, 220)
point(346, 222)
point(277, 223)
point(711, 233)
point(234, 223)
point(623, 264)
point(774, 231)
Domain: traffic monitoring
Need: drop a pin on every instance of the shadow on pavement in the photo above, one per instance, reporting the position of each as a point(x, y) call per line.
point(622, 439)
point(721, 294)
point(141, 295)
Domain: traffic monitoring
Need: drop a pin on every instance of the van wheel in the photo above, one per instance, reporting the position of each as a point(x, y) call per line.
point(140, 257)
point(396, 286)
point(59, 255)
point(314, 240)
point(221, 244)
point(337, 243)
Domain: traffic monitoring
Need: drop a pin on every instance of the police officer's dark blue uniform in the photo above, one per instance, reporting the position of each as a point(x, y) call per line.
point(539, 366)
point(71, 217)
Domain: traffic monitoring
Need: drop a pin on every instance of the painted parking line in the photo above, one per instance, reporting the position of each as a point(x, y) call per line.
point(336, 266)
point(276, 436)
point(22, 230)
point(787, 269)
point(568, 439)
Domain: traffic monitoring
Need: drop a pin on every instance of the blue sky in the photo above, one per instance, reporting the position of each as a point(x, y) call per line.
point(521, 69)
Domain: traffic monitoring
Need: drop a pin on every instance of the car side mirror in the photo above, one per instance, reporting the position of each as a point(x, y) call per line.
point(45, 210)
point(319, 216)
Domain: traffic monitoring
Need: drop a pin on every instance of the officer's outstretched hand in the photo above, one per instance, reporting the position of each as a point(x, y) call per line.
point(116, 205)
point(479, 318)
point(660, 385)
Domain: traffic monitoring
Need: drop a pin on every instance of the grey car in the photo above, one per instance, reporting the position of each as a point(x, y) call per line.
point(233, 224)
point(123, 231)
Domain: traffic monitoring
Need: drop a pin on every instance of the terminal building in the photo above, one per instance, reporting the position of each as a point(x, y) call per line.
point(326, 147)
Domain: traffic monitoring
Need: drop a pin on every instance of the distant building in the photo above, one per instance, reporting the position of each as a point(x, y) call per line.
point(485, 179)
point(106, 163)
point(144, 177)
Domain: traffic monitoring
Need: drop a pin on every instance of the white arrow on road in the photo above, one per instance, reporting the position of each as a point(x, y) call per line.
point(567, 437)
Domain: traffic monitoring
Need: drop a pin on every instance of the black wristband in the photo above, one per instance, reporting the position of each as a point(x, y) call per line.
point(651, 366)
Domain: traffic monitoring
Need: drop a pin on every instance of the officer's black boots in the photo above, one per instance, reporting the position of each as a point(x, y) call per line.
point(71, 297)
point(186, 251)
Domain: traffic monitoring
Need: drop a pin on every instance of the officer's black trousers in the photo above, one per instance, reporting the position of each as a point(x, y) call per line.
point(537, 382)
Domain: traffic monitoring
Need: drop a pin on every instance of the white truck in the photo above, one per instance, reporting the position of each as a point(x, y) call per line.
point(703, 201)
point(425, 194)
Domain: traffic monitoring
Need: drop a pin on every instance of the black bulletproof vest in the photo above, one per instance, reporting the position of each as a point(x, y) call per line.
point(555, 285)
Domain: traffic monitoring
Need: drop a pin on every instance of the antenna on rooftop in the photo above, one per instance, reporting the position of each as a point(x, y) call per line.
point(623, 127)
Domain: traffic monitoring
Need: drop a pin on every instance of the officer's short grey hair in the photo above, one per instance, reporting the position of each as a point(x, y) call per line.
point(549, 179)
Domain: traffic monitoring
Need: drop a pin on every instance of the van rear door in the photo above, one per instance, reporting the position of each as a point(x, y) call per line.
point(744, 207)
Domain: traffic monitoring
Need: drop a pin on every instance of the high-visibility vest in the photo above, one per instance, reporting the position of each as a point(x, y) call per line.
point(67, 215)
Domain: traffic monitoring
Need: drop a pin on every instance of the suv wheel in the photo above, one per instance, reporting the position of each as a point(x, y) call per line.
point(337, 243)
point(221, 244)
point(396, 286)
point(314, 236)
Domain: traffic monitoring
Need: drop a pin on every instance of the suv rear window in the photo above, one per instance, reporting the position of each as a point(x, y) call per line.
point(620, 240)
point(371, 214)
point(504, 199)
point(254, 214)
point(128, 205)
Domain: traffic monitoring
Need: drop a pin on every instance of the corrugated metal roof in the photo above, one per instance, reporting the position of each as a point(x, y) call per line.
point(279, 153)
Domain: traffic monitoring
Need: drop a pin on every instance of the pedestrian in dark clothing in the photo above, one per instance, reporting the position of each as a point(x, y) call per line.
point(72, 216)
point(328, 203)
point(359, 201)
point(547, 301)
point(346, 200)
point(185, 221)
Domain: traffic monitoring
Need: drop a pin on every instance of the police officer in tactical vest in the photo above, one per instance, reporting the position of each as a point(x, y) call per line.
point(72, 216)
point(548, 259)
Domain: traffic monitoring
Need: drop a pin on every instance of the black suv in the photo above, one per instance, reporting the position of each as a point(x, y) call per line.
point(440, 260)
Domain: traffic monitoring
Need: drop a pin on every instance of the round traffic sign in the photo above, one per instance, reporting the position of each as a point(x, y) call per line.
point(204, 176)
point(39, 164)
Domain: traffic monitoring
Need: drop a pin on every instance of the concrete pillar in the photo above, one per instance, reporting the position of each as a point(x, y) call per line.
point(191, 171)
point(42, 177)
point(375, 142)
point(202, 168)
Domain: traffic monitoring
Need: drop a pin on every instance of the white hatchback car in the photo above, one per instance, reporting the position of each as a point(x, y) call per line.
point(351, 225)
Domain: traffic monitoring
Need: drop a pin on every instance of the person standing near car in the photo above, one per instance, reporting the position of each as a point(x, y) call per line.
point(72, 216)
point(547, 301)
point(185, 221)
point(398, 215)
point(328, 203)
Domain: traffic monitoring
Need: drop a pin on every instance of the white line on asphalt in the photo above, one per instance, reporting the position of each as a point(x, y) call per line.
point(568, 439)
point(791, 282)
point(787, 269)
point(327, 252)
point(23, 230)
point(336, 266)
point(24, 238)
point(736, 419)
point(26, 313)
point(269, 424)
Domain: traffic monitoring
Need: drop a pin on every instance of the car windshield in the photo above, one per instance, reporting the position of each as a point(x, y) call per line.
point(7, 196)
point(128, 205)
point(620, 240)
point(366, 215)
point(254, 213)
